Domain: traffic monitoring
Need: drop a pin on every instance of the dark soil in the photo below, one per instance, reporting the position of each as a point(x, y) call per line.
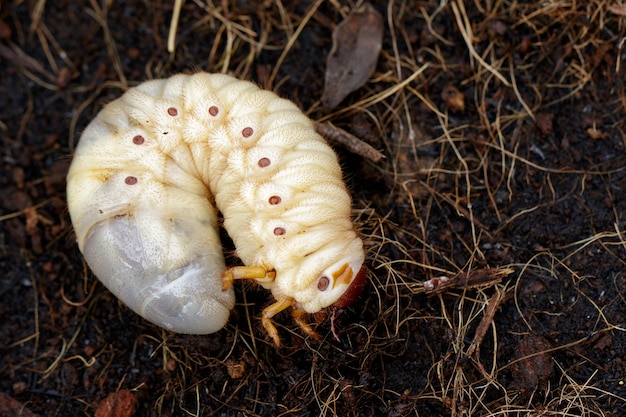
point(522, 189)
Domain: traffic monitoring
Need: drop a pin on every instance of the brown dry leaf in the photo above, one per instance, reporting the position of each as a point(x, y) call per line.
point(31, 220)
point(236, 368)
point(356, 45)
point(453, 98)
point(119, 404)
point(536, 364)
point(545, 123)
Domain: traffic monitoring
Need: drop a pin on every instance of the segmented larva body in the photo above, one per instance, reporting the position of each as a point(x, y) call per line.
point(151, 171)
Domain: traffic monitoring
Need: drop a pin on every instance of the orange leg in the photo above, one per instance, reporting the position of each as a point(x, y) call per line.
point(270, 312)
point(298, 316)
point(258, 273)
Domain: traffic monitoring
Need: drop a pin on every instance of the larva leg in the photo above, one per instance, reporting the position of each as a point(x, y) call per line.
point(298, 315)
point(260, 274)
point(270, 312)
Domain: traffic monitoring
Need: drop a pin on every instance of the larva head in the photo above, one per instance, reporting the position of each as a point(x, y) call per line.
point(341, 284)
point(338, 284)
point(354, 290)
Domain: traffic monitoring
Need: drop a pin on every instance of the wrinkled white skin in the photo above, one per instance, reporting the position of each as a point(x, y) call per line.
point(154, 243)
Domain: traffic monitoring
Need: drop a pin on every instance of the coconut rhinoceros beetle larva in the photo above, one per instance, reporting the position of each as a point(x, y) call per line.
point(151, 171)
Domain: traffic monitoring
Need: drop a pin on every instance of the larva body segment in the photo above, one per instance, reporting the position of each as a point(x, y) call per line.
point(143, 217)
point(144, 179)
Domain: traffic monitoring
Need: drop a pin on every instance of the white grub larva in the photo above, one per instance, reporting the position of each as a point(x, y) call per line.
point(141, 189)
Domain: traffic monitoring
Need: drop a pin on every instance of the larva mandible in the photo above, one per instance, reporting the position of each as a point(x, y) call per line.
point(154, 166)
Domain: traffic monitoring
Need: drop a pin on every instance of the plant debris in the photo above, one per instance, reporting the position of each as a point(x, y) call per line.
point(336, 135)
point(356, 45)
point(475, 279)
point(118, 404)
point(535, 365)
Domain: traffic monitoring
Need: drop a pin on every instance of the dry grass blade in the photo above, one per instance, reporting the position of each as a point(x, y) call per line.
point(292, 41)
point(100, 15)
point(171, 37)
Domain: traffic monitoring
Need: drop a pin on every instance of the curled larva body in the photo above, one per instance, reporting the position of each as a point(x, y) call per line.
point(141, 189)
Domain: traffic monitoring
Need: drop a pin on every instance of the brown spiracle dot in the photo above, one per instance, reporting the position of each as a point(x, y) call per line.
point(130, 180)
point(279, 231)
point(214, 110)
point(172, 111)
point(264, 162)
point(275, 199)
point(247, 132)
point(138, 140)
point(323, 282)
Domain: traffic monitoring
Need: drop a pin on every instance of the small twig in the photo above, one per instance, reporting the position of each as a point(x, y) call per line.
point(483, 326)
point(473, 279)
point(349, 141)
